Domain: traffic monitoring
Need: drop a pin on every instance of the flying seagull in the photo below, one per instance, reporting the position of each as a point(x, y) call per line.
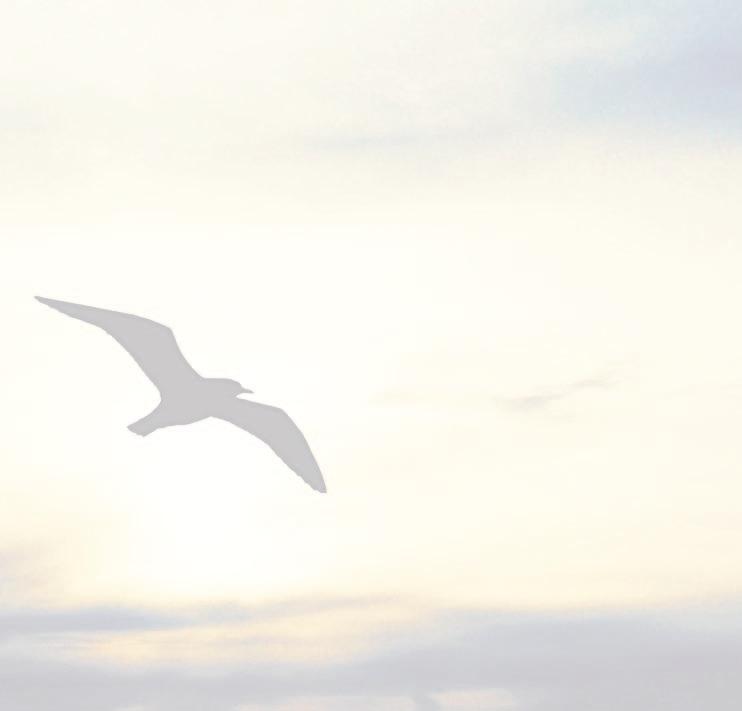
point(186, 396)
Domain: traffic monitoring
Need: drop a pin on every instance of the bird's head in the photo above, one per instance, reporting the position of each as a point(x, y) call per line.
point(231, 388)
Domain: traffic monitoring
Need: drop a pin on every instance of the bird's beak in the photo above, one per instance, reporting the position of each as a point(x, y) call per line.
point(245, 390)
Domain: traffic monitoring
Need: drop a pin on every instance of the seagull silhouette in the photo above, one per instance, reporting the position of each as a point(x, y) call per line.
point(186, 396)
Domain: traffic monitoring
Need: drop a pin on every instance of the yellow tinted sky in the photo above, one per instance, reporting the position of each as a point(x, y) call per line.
point(480, 252)
point(534, 406)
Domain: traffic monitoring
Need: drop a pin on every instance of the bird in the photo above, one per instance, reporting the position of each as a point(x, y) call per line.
point(187, 397)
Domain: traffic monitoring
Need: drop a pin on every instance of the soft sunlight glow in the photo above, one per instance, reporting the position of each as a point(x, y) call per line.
point(485, 254)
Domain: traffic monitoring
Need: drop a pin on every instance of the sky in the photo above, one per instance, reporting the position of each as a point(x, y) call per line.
point(485, 254)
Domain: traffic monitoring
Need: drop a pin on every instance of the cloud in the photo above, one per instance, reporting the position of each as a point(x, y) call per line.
point(529, 403)
point(617, 661)
point(684, 75)
point(19, 622)
point(228, 83)
point(423, 702)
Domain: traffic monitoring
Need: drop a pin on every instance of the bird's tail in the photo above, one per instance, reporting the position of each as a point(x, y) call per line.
point(147, 425)
point(141, 428)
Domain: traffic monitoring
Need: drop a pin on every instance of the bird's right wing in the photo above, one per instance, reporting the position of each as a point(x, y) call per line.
point(279, 432)
point(152, 345)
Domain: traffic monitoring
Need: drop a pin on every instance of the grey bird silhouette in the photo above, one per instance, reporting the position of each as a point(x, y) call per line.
point(186, 396)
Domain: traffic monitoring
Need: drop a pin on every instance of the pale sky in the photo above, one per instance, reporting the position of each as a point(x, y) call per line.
point(486, 254)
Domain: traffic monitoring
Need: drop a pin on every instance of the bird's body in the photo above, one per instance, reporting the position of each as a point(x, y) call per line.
point(188, 397)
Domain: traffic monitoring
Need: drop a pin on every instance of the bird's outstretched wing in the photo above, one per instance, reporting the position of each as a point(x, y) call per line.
point(279, 432)
point(152, 345)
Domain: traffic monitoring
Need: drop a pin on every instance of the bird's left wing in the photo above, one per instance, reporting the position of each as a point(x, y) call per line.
point(151, 344)
point(278, 431)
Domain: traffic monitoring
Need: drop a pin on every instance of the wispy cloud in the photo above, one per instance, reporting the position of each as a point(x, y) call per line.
point(539, 401)
point(19, 622)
